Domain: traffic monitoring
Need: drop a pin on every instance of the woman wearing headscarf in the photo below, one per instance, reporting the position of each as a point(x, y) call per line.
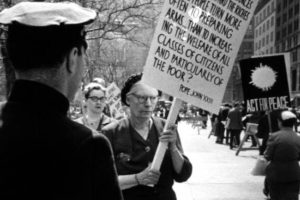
point(134, 141)
point(95, 102)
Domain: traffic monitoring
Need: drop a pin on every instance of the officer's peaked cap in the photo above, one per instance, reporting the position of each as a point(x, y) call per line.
point(41, 14)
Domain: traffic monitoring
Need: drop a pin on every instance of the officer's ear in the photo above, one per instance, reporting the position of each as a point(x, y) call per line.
point(71, 62)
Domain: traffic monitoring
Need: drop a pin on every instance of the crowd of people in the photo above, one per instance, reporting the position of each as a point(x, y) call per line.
point(45, 154)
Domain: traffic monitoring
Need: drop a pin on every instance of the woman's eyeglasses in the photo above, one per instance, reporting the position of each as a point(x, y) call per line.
point(95, 99)
point(143, 99)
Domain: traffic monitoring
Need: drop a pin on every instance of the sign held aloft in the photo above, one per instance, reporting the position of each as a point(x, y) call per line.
point(265, 82)
point(194, 48)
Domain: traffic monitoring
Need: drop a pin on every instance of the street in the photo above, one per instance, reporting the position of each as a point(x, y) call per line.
point(218, 174)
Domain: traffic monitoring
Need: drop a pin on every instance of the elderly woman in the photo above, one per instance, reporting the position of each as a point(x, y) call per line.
point(95, 102)
point(134, 141)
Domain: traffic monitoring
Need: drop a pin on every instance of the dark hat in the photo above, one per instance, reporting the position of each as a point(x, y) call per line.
point(133, 79)
point(41, 14)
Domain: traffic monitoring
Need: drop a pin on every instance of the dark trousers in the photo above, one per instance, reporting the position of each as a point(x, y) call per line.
point(263, 146)
point(284, 191)
point(234, 135)
point(220, 132)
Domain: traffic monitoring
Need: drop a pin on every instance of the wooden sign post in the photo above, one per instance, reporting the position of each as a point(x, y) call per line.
point(162, 146)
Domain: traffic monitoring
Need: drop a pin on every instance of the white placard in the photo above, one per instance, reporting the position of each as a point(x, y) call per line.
point(114, 101)
point(194, 48)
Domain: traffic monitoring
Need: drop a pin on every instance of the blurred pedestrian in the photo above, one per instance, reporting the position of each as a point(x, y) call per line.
point(283, 152)
point(220, 124)
point(44, 154)
point(235, 125)
point(135, 140)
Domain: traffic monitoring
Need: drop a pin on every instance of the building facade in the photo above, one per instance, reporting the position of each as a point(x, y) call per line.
point(264, 28)
point(287, 40)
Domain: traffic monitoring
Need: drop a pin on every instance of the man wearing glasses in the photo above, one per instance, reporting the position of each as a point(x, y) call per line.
point(43, 153)
point(135, 140)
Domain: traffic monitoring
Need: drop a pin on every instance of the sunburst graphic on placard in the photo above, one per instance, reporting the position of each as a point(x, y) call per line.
point(263, 77)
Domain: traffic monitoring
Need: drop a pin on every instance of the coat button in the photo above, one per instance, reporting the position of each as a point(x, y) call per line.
point(147, 149)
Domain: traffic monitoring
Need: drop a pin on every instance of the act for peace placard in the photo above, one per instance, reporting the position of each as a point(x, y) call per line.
point(265, 82)
point(194, 48)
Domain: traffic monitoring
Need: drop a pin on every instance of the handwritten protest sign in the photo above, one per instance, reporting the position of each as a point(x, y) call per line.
point(114, 101)
point(194, 48)
point(265, 82)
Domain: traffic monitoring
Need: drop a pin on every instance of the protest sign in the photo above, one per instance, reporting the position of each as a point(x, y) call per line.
point(265, 82)
point(114, 101)
point(194, 48)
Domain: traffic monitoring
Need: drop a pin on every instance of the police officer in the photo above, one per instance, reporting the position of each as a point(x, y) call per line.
point(43, 154)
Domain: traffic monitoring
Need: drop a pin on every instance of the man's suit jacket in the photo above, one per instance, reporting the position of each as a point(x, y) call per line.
point(283, 151)
point(45, 155)
point(235, 119)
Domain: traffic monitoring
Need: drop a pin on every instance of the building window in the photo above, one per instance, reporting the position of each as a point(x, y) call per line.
point(294, 79)
point(271, 50)
point(268, 24)
point(277, 48)
point(256, 33)
point(259, 44)
point(265, 14)
point(296, 11)
point(278, 7)
point(296, 40)
point(294, 56)
point(283, 47)
point(278, 36)
point(271, 37)
point(267, 40)
point(264, 27)
point(257, 20)
point(278, 21)
point(272, 21)
point(289, 43)
point(290, 28)
point(263, 42)
point(285, 3)
point(260, 30)
point(296, 24)
point(290, 13)
point(260, 17)
point(284, 18)
point(284, 32)
point(251, 46)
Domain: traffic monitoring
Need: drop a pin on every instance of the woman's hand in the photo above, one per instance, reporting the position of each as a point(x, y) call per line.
point(148, 176)
point(170, 136)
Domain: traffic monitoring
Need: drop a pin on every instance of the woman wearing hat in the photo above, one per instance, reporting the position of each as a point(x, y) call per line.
point(134, 141)
point(283, 151)
point(95, 102)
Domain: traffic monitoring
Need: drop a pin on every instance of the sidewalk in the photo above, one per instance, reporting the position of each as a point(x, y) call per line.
point(218, 174)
